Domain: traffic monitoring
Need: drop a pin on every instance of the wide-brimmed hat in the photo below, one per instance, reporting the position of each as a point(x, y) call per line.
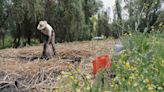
point(42, 25)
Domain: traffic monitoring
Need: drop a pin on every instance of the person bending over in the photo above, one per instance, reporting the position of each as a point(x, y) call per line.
point(49, 37)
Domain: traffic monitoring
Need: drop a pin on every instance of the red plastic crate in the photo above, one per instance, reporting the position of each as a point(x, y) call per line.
point(101, 62)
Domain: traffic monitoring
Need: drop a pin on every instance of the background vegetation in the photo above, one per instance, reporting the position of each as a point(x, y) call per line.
point(72, 20)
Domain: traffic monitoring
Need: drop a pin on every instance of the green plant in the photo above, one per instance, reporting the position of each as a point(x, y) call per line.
point(140, 67)
point(7, 42)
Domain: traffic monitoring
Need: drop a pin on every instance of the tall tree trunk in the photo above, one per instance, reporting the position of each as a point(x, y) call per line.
point(18, 34)
point(3, 40)
point(29, 40)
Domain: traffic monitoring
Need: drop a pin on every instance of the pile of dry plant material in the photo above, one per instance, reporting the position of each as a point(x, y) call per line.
point(23, 75)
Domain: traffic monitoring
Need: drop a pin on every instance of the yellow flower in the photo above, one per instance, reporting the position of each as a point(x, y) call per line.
point(146, 81)
point(150, 87)
point(141, 76)
point(127, 65)
point(162, 63)
point(136, 74)
point(78, 70)
point(150, 91)
point(123, 79)
point(135, 84)
point(72, 77)
point(131, 76)
point(129, 82)
point(130, 34)
point(133, 68)
point(119, 62)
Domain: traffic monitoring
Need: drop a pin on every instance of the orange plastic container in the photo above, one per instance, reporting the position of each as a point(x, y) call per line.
point(100, 62)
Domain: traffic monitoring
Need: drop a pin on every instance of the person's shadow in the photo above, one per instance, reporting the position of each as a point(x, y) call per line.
point(32, 58)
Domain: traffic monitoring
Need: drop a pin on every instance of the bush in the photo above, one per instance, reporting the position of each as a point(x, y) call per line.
point(7, 42)
point(140, 68)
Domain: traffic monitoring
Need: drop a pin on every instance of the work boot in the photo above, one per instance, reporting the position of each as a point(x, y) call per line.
point(55, 52)
point(45, 57)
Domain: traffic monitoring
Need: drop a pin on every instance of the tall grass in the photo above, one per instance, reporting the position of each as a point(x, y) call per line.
point(140, 69)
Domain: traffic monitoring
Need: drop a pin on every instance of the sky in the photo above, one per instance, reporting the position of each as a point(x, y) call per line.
point(107, 4)
point(162, 5)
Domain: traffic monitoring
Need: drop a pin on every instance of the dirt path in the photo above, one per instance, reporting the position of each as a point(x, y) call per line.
point(34, 75)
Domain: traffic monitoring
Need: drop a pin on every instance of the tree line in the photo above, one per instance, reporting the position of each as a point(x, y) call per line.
point(75, 20)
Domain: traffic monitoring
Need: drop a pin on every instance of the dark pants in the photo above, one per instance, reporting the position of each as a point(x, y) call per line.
point(46, 43)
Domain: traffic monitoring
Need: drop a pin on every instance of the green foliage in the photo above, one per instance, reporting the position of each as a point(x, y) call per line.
point(118, 10)
point(90, 8)
point(140, 68)
point(103, 25)
point(72, 20)
point(143, 16)
point(68, 18)
point(7, 42)
point(138, 45)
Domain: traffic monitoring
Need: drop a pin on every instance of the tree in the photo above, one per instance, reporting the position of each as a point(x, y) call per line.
point(118, 11)
point(117, 19)
point(142, 13)
point(5, 10)
point(23, 19)
point(90, 8)
point(69, 20)
point(103, 25)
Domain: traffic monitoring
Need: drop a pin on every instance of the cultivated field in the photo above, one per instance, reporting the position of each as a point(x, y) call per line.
point(22, 71)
